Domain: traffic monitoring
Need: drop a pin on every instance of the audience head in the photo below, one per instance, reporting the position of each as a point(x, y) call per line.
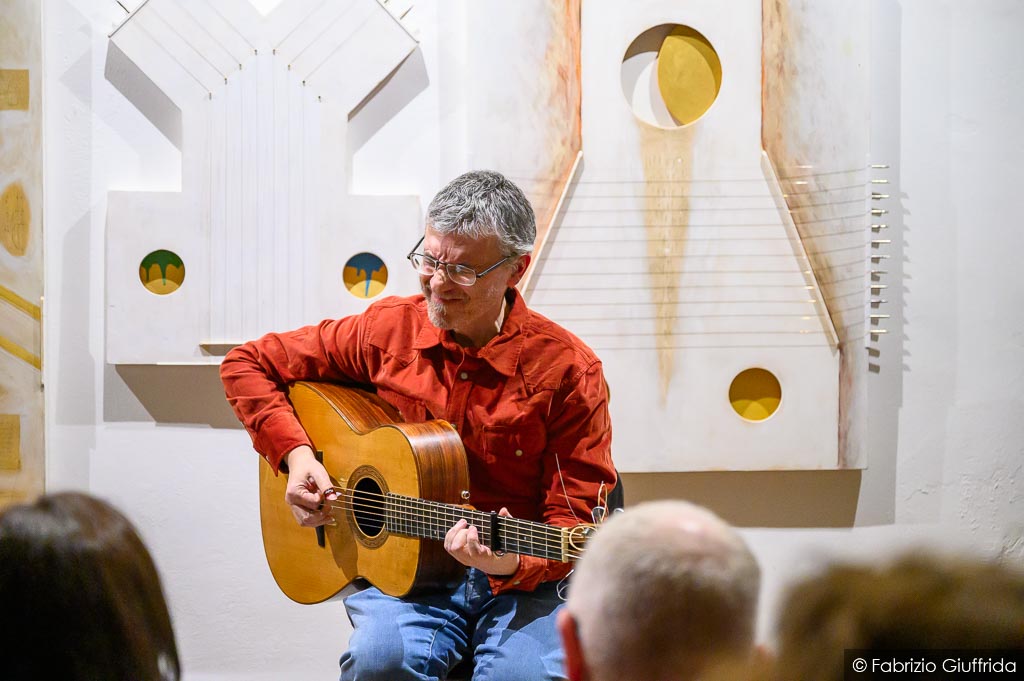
point(484, 203)
point(81, 596)
point(918, 602)
point(663, 591)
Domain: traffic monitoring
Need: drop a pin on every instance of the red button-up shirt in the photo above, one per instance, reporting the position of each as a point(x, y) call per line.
point(530, 405)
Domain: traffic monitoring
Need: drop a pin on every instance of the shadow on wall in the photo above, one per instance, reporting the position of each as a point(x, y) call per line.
point(758, 498)
point(386, 101)
point(143, 93)
point(167, 395)
point(194, 395)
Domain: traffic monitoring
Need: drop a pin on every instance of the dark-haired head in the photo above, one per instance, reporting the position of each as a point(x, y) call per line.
point(81, 596)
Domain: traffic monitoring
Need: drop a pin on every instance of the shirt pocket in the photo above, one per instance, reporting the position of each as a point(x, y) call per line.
point(520, 445)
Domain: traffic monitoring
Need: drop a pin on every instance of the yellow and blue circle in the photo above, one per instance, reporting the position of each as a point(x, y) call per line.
point(365, 275)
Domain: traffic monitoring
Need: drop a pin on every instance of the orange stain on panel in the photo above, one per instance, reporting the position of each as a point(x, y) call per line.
point(667, 162)
point(13, 89)
point(10, 442)
point(15, 217)
point(785, 41)
point(561, 101)
point(777, 72)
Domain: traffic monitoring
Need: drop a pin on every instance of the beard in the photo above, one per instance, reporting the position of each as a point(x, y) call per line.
point(461, 315)
point(438, 315)
point(436, 312)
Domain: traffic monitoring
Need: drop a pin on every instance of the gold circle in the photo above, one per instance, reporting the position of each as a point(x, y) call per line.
point(689, 74)
point(15, 219)
point(755, 394)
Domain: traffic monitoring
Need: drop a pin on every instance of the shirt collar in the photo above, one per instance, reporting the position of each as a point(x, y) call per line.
point(501, 352)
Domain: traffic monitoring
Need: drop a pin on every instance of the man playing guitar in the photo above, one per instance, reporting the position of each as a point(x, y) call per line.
point(527, 397)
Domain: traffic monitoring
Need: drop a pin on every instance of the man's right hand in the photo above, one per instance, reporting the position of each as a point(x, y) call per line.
point(307, 480)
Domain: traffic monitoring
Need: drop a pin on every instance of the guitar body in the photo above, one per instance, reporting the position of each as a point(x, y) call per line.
point(368, 452)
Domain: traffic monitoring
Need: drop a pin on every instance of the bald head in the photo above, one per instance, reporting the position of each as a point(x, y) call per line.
point(661, 589)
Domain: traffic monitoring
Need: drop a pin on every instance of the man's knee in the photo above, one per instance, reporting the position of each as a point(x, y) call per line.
point(529, 665)
point(388, 660)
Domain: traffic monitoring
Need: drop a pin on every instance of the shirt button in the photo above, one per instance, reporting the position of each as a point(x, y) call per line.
point(516, 583)
point(463, 375)
point(519, 452)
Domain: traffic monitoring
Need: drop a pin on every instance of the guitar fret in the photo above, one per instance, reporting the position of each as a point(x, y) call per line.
point(427, 519)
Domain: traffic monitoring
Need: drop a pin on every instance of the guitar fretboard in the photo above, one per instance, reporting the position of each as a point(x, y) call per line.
point(413, 517)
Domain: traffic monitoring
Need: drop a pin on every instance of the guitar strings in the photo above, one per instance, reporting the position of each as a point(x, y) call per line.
point(516, 542)
point(450, 512)
point(397, 512)
point(397, 518)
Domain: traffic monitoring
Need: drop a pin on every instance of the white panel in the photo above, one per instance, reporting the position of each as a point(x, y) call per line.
point(673, 261)
point(141, 325)
point(264, 216)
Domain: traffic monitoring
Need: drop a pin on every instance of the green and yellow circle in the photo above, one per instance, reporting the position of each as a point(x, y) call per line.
point(162, 272)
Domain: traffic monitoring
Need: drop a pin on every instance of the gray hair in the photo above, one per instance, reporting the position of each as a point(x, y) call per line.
point(662, 590)
point(485, 203)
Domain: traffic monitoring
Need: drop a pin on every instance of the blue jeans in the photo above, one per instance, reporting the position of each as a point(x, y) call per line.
point(511, 637)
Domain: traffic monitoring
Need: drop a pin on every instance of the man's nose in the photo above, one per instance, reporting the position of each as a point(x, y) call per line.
point(443, 271)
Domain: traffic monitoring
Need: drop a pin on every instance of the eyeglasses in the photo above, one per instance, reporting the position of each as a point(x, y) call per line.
point(463, 275)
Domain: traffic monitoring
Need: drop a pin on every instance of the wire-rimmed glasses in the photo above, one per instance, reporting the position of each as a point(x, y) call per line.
point(463, 275)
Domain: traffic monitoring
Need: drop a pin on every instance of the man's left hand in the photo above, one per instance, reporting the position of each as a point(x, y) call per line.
point(463, 542)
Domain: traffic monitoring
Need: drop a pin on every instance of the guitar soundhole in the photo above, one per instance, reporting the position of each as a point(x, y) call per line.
point(368, 507)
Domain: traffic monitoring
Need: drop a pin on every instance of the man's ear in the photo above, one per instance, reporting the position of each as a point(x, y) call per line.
point(575, 665)
point(521, 266)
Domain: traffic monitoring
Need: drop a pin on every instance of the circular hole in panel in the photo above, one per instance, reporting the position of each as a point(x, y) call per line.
point(162, 272)
point(365, 275)
point(755, 394)
point(670, 75)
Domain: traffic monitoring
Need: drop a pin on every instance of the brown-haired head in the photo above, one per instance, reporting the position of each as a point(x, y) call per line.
point(920, 601)
point(81, 596)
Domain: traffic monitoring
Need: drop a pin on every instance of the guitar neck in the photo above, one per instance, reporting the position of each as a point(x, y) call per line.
point(423, 519)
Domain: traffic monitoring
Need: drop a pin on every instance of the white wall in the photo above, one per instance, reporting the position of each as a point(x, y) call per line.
point(945, 462)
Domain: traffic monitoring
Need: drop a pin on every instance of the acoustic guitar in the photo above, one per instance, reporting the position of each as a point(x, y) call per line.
point(401, 486)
